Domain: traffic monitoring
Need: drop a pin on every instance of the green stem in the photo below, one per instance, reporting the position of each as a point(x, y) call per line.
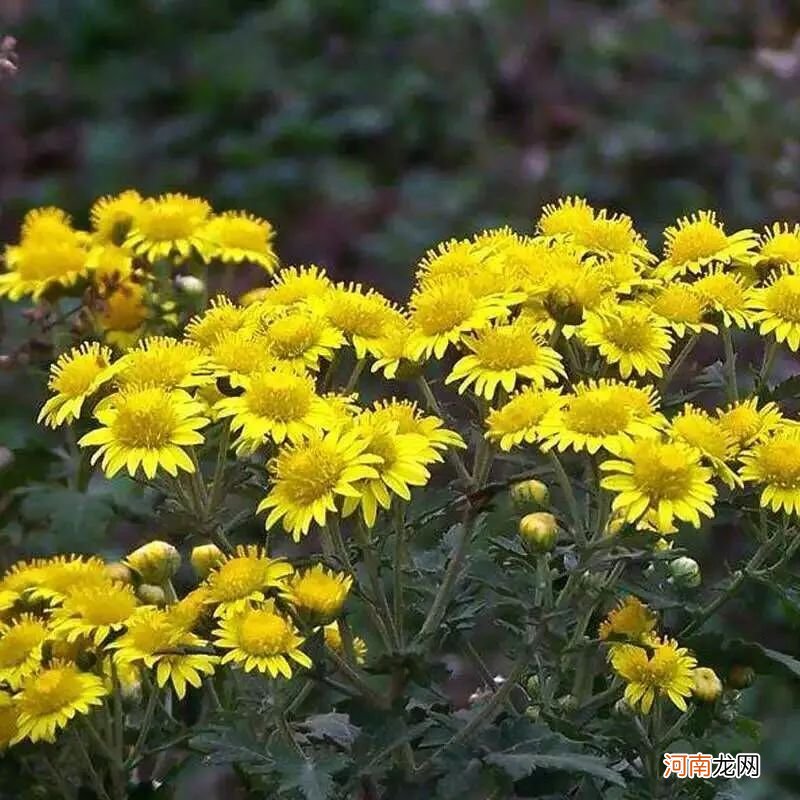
point(569, 495)
point(61, 784)
point(354, 676)
point(199, 485)
point(300, 697)
point(730, 365)
point(770, 352)
point(543, 590)
point(283, 727)
point(144, 729)
point(399, 519)
point(358, 368)
point(676, 364)
point(99, 789)
point(219, 470)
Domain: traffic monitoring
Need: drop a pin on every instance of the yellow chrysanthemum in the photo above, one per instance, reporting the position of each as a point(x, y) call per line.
point(94, 612)
point(110, 264)
point(237, 237)
point(630, 336)
point(669, 672)
point(261, 639)
point(59, 575)
point(52, 697)
point(20, 579)
point(113, 215)
point(662, 477)
point(220, 318)
point(35, 267)
point(238, 354)
point(165, 362)
point(147, 427)
point(519, 419)
point(243, 578)
point(494, 241)
point(122, 314)
point(774, 464)
point(681, 307)
point(152, 639)
point(8, 720)
point(631, 620)
point(308, 477)
point(566, 217)
point(779, 246)
point(456, 260)
point(21, 643)
point(601, 414)
point(746, 423)
point(700, 430)
point(318, 593)
point(725, 293)
point(502, 355)
point(777, 309)
point(698, 240)
point(170, 225)
point(292, 286)
point(392, 350)
point(74, 377)
point(333, 639)
point(612, 235)
point(190, 610)
point(43, 225)
point(620, 273)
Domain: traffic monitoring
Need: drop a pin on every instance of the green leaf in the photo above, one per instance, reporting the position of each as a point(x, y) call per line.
point(333, 727)
point(312, 775)
point(225, 745)
point(518, 764)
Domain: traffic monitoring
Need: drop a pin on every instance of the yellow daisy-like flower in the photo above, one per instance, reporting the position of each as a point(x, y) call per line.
point(35, 267)
point(601, 414)
point(109, 263)
point(113, 215)
point(20, 579)
point(631, 620)
point(122, 314)
point(333, 639)
point(494, 241)
point(238, 236)
point(165, 362)
point(779, 246)
point(292, 286)
point(774, 464)
point(59, 575)
point(669, 672)
point(456, 260)
point(309, 477)
point(612, 235)
point(43, 225)
point(21, 643)
point(94, 612)
point(566, 217)
point(170, 225)
point(190, 610)
point(152, 639)
point(699, 240)
point(237, 355)
point(8, 720)
point(392, 351)
point(746, 423)
point(777, 309)
point(518, 421)
point(244, 578)
point(278, 403)
point(662, 477)
point(222, 317)
point(620, 273)
point(447, 310)
point(261, 639)
point(147, 427)
point(74, 377)
point(52, 697)
point(681, 307)
point(502, 355)
point(725, 293)
point(700, 430)
point(318, 593)
point(630, 336)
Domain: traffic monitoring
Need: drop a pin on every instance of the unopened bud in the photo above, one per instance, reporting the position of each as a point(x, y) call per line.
point(539, 530)
point(741, 676)
point(206, 557)
point(707, 686)
point(189, 284)
point(151, 594)
point(156, 562)
point(527, 494)
point(533, 713)
point(568, 702)
point(117, 571)
point(685, 572)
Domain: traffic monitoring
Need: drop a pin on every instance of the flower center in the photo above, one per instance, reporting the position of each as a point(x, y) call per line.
point(358, 314)
point(311, 473)
point(239, 353)
point(78, 374)
point(662, 471)
point(51, 690)
point(703, 433)
point(741, 422)
point(145, 419)
point(779, 461)
point(280, 396)
point(629, 334)
point(168, 219)
point(506, 348)
point(101, 606)
point(317, 591)
point(442, 309)
point(18, 642)
point(264, 634)
point(167, 364)
point(292, 336)
point(679, 304)
point(239, 578)
point(783, 297)
point(608, 235)
point(50, 260)
point(598, 413)
point(242, 233)
point(782, 247)
point(701, 238)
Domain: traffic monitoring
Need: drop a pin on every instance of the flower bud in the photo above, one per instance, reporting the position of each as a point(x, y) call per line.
point(533, 685)
point(568, 702)
point(741, 676)
point(206, 557)
point(533, 713)
point(622, 708)
point(539, 530)
point(707, 686)
point(527, 494)
point(155, 562)
point(117, 571)
point(151, 594)
point(685, 572)
point(189, 284)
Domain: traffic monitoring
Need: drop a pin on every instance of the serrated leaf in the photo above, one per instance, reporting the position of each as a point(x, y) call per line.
point(225, 745)
point(312, 776)
point(334, 727)
point(518, 764)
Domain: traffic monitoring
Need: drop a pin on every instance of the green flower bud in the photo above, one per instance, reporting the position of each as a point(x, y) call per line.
point(685, 572)
point(539, 530)
point(151, 594)
point(206, 557)
point(155, 562)
point(120, 572)
point(707, 686)
point(532, 493)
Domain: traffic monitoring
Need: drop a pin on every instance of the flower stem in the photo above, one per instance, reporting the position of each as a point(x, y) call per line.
point(99, 789)
point(569, 495)
point(770, 352)
point(219, 469)
point(399, 518)
point(354, 676)
point(730, 365)
point(144, 729)
point(677, 362)
point(358, 368)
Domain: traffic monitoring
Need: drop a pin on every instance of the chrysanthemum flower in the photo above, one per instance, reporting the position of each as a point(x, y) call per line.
point(453, 259)
point(170, 225)
point(59, 575)
point(724, 292)
point(566, 217)
point(669, 672)
point(777, 309)
point(630, 336)
point(52, 697)
point(152, 639)
point(612, 235)
point(700, 430)
point(519, 419)
point(681, 307)
point(494, 241)
point(43, 225)
point(21, 643)
point(309, 477)
point(779, 246)
point(220, 318)
point(620, 273)
point(8, 720)
point(74, 377)
point(34, 267)
point(663, 477)
point(774, 464)
point(94, 612)
point(290, 287)
point(187, 613)
point(698, 240)
point(261, 639)
point(631, 620)
point(238, 354)
point(243, 578)
point(113, 215)
point(123, 313)
point(237, 237)
point(746, 423)
point(392, 350)
point(147, 427)
point(502, 355)
point(19, 580)
point(319, 593)
point(110, 264)
point(333, 639)
point(601, 414)
point(165, 362)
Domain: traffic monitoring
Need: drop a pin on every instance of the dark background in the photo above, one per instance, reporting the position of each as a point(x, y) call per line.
point(369, 130)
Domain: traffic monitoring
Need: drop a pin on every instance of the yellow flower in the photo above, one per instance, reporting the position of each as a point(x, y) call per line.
point(74, 377)
point(8, 720)
point(237, 354)
point(612, 235)
point(779, 246)
point(222, 317)
point(147, 427)
point(333, 639)
point(698, 240)
point(309, 477)
point(458, 260)
point(774, 464)
point(665, 478)
point(122, 314)
point(113, 215)
point(700, 430)
point(669, 672)
point(681, 307)
point(35, 267)
point(237, 237)
point(60, 574)
point(21, 642)
point(777, 308)
point(261, 639)
point(724, 292)
point(319, 593)
point(392, 351)
point(19, 580)
point(52, 697)
point(109, 264)
point(601, 414)
point(243, 578)
point(631, 620)
point(502, 355)
point(292, 286)
point(190, 610)
point(519, 419)
point(566, 217)
point(161, 361)
point(170, 225)
point(94, 612)
point(746, 423)
point(155, 561)
point(153, 639)
point(43, 225)
point(630, 336)
point(206, 557)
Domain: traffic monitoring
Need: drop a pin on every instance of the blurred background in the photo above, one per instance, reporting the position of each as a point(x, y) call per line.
point(366, 131)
